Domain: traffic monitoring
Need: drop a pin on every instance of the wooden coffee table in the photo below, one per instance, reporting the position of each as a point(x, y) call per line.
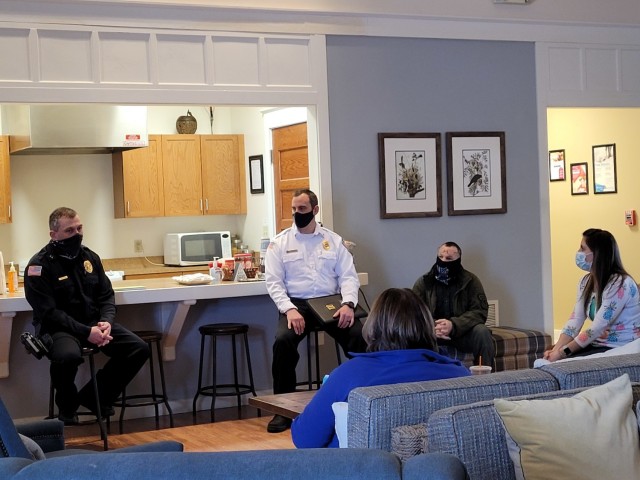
point(288, 405)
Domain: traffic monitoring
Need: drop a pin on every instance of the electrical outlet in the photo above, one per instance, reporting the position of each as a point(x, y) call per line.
point(137, 246)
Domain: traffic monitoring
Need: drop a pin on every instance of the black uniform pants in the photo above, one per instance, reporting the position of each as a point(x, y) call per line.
point(285, 347)
point(127, 353)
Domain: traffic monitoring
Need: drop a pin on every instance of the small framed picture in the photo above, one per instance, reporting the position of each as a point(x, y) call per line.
point(256, 174)
point(579, 179)
point(604, 169)
point(556, 165)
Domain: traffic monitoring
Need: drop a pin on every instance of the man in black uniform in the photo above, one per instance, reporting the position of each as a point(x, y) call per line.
point(73, 301)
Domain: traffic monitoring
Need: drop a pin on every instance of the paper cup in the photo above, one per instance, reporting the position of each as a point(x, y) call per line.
point(480, 369)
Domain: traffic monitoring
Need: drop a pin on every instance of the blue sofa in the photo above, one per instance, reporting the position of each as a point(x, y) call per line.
point(165, 461)
point(455, 416)
point(326, 464)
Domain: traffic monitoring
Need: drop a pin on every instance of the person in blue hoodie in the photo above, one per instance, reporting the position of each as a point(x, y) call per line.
point(401, 347)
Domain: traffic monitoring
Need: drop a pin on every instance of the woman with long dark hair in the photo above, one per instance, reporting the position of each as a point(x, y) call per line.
point(607, 295)
point(401, 347)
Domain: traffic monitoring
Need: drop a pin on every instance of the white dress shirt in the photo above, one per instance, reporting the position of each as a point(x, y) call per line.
point(310, 265)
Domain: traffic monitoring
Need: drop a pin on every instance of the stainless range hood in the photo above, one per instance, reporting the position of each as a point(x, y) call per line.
point(74, 129)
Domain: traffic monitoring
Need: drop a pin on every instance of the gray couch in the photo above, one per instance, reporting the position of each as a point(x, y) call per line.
point(456, 416)
point(165, 460)
point(326, 464)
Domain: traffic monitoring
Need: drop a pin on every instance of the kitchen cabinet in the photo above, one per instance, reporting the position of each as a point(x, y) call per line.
point(5, 181)
point(138, 182)
point(181, 175)
point(223, 174)
point(204, 174)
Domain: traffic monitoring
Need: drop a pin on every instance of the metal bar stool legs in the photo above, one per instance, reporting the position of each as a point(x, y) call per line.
point(216, 389)
point(89, 353)
point(310, 380)
point(154, 398)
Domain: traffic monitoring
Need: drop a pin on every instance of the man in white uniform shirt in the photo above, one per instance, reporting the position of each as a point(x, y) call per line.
point(302, 262)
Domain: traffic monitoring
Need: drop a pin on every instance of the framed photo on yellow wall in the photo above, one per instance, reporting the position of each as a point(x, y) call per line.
point(556, 165)
point(579, 179)
point(604, 168)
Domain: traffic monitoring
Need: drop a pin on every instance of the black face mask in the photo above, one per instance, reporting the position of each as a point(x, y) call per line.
point(448, 271)
point(303, 219)
point(69, 247)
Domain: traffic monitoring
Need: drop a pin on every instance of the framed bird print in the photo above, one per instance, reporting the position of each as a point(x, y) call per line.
point(409, 175)
point(476, 173)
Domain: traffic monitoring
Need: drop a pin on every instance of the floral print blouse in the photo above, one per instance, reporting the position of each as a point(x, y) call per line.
point(616, 321)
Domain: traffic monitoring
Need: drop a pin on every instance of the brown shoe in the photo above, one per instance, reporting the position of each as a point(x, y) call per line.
point(278, 424)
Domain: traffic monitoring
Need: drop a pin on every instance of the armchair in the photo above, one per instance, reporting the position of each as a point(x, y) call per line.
point(49, 437)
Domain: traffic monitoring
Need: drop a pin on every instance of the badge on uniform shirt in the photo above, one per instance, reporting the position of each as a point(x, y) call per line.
point(88, 267)
point(34, 271)
point(325, 245)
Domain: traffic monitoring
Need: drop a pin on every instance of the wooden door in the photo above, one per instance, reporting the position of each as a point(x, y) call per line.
point(290, 169)
point(5, 181)
point(138, 181)
point(223, 174)
point(182, 175)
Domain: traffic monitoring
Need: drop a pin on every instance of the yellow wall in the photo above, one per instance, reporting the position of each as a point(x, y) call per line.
point(576, 130)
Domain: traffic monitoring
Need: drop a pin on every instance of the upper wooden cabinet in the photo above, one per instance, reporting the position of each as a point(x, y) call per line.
point(5, 181)
point(181, 175)
point(223, 174)
point(137, 181)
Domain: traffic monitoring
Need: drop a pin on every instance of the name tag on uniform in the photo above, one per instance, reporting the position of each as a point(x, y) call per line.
point(60, 279)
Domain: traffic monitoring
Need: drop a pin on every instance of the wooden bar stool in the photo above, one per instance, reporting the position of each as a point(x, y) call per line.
point(155, 397)
point(236, 389)
point(89, 353)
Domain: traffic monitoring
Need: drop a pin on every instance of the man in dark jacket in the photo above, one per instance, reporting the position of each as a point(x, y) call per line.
point(73, 302)
point(458, 304)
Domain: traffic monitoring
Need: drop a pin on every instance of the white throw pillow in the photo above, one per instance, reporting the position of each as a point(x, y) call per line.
point(341, 410)
point(592, 435)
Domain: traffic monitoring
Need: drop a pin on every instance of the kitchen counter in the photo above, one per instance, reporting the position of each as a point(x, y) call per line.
point(141, 291)
point(148, 267)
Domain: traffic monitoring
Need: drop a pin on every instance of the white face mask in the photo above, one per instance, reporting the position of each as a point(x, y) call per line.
point(581, 261)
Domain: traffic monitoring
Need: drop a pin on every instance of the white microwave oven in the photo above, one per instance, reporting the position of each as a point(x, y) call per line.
point(196, 248)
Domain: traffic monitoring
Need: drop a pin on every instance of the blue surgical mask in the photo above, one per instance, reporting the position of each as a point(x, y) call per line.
point(581, 261)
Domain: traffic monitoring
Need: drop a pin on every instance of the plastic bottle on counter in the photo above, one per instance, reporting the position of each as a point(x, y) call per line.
point(12, 279)
point(215, 271)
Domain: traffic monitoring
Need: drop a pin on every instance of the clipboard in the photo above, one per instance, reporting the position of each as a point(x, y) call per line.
point(324, 308)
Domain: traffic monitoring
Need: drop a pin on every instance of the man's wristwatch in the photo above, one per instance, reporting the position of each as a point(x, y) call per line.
point(350, 305)
point(567, 351)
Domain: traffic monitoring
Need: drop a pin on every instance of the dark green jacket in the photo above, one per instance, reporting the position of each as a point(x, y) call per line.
point(470, 305)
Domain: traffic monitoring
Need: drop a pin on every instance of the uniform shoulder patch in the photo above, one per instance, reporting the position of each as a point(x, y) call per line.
point(34, 271)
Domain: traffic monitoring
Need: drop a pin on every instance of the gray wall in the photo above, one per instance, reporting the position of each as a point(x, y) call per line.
point(421, 85)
